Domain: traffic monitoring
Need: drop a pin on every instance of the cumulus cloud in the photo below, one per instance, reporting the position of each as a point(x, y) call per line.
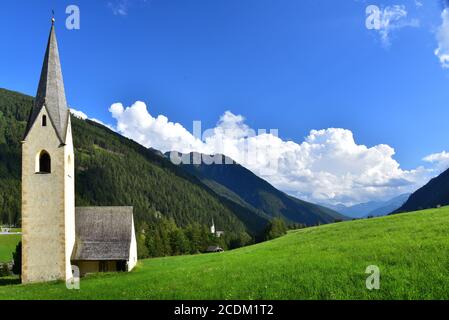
point(328, 166)
point(442, 35)
point(388, 19)
point(136, 123)
point(440, 160)
point(81, 115)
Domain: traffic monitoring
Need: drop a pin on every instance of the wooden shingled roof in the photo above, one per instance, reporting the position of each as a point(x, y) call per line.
point(103, 233)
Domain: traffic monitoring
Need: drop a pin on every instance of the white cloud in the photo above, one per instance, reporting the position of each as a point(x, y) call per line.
point(81, 115)
point(136, 123)
point(122, 7)
point(389, 19)
point(328, 166)
point(119, 7)
point(440, 160)
point(78, 114)
point(442, 35)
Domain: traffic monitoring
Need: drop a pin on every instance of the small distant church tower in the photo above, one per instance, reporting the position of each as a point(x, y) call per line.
point(48, 182)
point(212, 228)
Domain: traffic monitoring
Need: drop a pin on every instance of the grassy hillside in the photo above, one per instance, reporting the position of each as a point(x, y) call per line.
point(326, 262)
point(8, 244)
point(112, 170)
point(240, 185)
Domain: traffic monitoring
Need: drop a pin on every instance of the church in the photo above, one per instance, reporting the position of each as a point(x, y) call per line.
point(55, 234)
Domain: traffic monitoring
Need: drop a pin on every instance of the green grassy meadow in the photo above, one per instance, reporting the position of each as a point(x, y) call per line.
point(326, 262)
point(8, 244)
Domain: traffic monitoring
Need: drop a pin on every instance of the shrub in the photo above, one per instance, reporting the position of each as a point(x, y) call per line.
point(17, 256)
point(4, 270)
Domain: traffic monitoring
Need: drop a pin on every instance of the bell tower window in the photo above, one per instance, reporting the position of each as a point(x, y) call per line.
point(44, 120)
point(44, 164)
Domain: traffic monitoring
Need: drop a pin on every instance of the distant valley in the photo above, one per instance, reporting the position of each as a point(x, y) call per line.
point(245, 189)
point(372, 208)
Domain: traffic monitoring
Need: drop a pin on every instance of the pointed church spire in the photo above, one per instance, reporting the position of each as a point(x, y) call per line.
point(51, 93)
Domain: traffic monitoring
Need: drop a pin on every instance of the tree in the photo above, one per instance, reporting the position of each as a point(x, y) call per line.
point(4, 271)
point(179, 242)
point(142, 250)
point(193, 234)
point(241, 240)
point(275, 229)
point(17, 257)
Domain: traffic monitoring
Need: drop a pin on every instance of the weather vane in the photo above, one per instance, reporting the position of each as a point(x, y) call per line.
point(53, 16)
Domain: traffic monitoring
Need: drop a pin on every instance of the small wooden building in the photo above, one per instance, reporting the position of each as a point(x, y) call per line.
point(105, 239)
point(211, 249)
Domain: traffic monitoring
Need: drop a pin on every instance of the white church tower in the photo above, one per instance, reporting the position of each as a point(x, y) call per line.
point(48, 181)
point(212, 228)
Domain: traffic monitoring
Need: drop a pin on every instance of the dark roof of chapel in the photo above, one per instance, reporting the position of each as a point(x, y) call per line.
point(103, 233)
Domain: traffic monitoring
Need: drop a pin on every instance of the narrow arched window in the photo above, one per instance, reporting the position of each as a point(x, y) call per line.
point(44, 162)
point(44, 120)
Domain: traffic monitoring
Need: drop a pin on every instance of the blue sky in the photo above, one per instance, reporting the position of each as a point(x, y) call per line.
point(285, 64)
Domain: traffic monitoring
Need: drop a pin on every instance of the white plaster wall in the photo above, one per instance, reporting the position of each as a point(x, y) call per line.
point(133, 249)
point(69, 182)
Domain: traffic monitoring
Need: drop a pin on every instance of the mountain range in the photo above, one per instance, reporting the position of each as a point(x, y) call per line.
point(371, 208)
point(238, 184)
point(114, 170)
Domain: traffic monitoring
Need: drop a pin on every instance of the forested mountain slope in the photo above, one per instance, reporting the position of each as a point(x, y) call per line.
point(239, 184)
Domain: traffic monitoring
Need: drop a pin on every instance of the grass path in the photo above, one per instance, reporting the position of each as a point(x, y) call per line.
point(326, 262)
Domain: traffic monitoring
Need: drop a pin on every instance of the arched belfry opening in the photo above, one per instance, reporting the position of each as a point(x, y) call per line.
point(44, 162)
